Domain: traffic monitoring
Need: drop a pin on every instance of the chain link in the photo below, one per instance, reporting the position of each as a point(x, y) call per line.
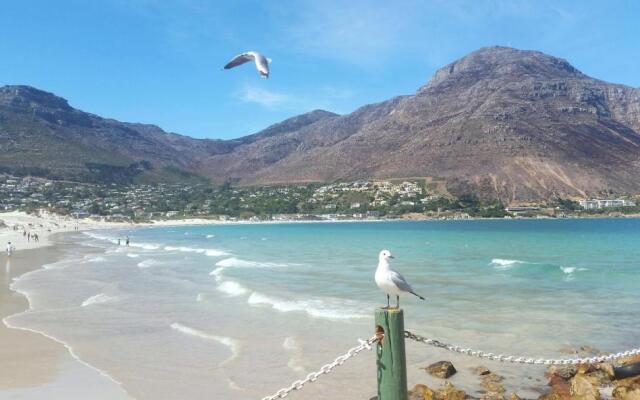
point(325, 369)
point(516, 359)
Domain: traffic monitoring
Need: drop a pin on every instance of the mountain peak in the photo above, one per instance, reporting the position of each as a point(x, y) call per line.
point(504, 62)
point(23, 96)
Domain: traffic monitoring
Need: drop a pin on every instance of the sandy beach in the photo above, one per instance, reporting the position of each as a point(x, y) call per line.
point(32, 365)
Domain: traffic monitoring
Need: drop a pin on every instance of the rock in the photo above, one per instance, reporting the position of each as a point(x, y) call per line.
point(586, 368)
point(449, 392)
point(441, 369)
point(514, 397)
point(568, 350)
point(563, 371)
point(599, 377)
point(492, 396)
point(481, 370)
point(560, 389)
point(629, 360)
point(492, 377)
point(626, 393)
point(582, 389)
point(493, 387)
point(491, 383)
point(608, 369)
point(421, 392)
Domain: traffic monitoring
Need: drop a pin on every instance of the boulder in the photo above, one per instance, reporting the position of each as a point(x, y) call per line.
point(492, 377)
point(449, 392)
point(608, 369)
point(626, 393)
point(560, 389)
point(492, 396)
point(599, 378)
point(582, 389)
point(481, 370)
point(421, 392)
point(441, 369)
point(563, 371)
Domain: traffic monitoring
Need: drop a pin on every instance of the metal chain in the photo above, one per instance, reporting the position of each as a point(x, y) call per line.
point(325, 369)
point(519, 360)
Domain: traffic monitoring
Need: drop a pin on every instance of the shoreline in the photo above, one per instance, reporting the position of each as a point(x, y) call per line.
point(38, 364)
point(64, 365)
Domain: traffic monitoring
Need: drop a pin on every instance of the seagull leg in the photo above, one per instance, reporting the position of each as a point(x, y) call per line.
point(397, 301)
point(388, 305)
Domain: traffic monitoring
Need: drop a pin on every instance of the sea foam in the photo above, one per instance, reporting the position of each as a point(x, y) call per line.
point(233, 262)
point(148, 263)
point(327, 309)
point(571, 270)
point(98, 299)
point(230, 343)
point(292, 346)
point(500, 263)
point(232, 288)
point(208, 252)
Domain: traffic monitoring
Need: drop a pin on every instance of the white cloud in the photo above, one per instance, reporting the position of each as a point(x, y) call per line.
point(264, 97)
point(323, 97)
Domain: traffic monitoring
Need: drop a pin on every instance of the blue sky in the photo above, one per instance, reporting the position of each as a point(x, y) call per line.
point(160, 61)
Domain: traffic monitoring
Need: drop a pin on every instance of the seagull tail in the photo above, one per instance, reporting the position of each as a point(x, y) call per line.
point(417, 295)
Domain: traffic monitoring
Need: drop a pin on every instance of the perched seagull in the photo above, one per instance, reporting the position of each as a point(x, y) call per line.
point(390, 281)
point(262, 62)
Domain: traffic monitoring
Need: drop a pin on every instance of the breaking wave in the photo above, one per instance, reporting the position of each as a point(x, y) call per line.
point(98, 299)
point(208, 252)
point(148, 263)
point(233, 262)
point(327, 309)
point(232, 288)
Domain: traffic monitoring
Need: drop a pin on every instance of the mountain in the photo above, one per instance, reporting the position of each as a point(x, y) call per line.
point(498, 123)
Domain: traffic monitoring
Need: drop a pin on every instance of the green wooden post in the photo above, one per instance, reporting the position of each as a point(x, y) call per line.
point(391, 358)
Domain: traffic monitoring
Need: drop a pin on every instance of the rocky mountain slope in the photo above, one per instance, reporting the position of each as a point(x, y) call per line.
point(499, 123)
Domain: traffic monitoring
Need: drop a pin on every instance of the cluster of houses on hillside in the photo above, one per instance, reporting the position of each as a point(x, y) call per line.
point(358, 199)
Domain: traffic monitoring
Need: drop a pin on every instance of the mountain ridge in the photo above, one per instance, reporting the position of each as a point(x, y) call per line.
point(499, 123)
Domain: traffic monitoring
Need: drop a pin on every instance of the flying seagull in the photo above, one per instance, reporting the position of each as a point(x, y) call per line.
point(390, 281)
point(262, 62)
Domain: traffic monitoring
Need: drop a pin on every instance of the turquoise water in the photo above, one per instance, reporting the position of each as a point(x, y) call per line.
point(242, 310)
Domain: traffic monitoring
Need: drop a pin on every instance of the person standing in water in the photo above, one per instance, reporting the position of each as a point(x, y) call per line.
point(10, 249)
point(127, 241)
point(118, 241)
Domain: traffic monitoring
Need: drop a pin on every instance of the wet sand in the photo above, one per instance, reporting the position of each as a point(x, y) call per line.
point(32, 366)
point(27, 359)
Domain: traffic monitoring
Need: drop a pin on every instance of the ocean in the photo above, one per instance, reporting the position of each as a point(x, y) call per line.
point(240, 311)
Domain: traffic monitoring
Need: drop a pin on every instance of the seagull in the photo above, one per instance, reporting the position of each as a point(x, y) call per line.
point(390, 281)
point(262, 62)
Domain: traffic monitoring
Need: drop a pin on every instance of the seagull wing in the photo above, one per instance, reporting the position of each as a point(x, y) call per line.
point(398, 280)
point(262, 64)
point(239, 60)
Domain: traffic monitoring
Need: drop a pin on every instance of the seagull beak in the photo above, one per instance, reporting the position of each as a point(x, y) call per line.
point(391, 257)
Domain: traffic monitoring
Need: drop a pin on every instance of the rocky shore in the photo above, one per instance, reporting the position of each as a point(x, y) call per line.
point(565, 382)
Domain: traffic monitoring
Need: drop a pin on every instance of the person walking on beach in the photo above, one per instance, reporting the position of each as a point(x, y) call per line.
point(10, 249)
point(127, 241)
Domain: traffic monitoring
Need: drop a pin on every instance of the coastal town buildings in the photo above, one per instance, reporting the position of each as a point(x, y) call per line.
point(596, 204)
point(353, 200)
